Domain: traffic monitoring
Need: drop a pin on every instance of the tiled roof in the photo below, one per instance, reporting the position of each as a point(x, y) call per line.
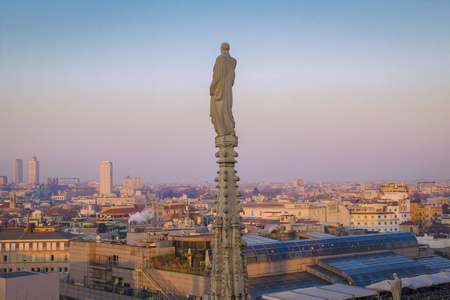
point(123, 210)
point(20, 234)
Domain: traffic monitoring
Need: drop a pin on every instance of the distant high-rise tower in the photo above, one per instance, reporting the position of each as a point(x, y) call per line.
point(18, 171)
point(33, 171)
point(106, 177)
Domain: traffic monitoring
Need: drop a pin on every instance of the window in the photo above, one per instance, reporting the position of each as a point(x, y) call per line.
point(52, 257)
point(5, 258)
point(65, 269)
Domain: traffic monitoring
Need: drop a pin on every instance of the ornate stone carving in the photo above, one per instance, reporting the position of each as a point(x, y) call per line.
point(229, 279)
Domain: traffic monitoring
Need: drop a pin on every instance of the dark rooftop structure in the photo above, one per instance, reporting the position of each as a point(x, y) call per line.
point(21, 234)
point(18, 274)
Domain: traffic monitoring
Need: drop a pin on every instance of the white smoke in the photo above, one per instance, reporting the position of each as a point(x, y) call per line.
point(269, 228)
point(146, 214)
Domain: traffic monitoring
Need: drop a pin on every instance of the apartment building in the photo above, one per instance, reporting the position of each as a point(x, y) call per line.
point(322, 212)
point(37, 250)
point(375, 217)
point(425, 214)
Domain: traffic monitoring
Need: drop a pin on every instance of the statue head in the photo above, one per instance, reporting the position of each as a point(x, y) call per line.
point(394, 275)
point(224, 47)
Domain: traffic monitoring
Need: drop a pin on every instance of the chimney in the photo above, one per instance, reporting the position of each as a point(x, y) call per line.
point(29, 230)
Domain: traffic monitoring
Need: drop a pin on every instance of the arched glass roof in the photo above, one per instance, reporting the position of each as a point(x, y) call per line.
point(277, 251)
point(367, 269)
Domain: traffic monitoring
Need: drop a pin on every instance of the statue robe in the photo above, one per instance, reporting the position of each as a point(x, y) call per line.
point(221, 95)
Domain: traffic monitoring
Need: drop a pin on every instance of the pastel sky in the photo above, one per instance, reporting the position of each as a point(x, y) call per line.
point(325, 90)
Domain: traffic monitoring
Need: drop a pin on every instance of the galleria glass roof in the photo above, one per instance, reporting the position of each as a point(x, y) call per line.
point(276, 251)
point(367, 269)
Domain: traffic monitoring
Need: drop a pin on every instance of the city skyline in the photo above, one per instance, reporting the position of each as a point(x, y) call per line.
point(327, 91)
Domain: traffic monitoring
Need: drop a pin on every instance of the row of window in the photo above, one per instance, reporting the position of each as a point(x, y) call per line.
point(42, 269)
point(373, 223)
point(34, 246)
point(365, 217)
point(35, 257)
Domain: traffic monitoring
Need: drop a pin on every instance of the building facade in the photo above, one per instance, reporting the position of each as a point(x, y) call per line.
point(425, 215)
point(378, 218)
point(106, 177)
point(37, 250)
point(33, 171)
point(18, 171)
point(135, 183)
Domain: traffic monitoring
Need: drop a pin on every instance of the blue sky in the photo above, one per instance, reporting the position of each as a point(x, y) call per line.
point(325, 90)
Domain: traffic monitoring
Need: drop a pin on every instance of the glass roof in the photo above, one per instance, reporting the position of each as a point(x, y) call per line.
point(434, 264)
point(282, 282)
point(368, 269)
point(276, 251)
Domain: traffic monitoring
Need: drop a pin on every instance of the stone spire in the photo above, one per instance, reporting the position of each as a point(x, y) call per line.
point(229, 278)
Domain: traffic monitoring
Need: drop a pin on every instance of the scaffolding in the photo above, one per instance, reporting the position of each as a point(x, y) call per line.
point(100, 270)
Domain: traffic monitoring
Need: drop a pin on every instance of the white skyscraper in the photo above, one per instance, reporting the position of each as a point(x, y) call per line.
point(106, 177)
point(33, 171)
point(18, 171)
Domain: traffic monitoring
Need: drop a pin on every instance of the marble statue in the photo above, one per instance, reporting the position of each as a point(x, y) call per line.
point(396, 287)
point(221, 94)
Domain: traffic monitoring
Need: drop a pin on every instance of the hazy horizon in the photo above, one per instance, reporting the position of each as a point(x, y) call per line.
point(325, 91)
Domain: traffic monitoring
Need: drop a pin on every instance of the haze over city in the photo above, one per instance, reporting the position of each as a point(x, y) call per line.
point(327, 91)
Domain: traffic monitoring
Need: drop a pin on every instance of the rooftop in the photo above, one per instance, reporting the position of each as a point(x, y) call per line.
point(18, 274)
point(20, 234)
